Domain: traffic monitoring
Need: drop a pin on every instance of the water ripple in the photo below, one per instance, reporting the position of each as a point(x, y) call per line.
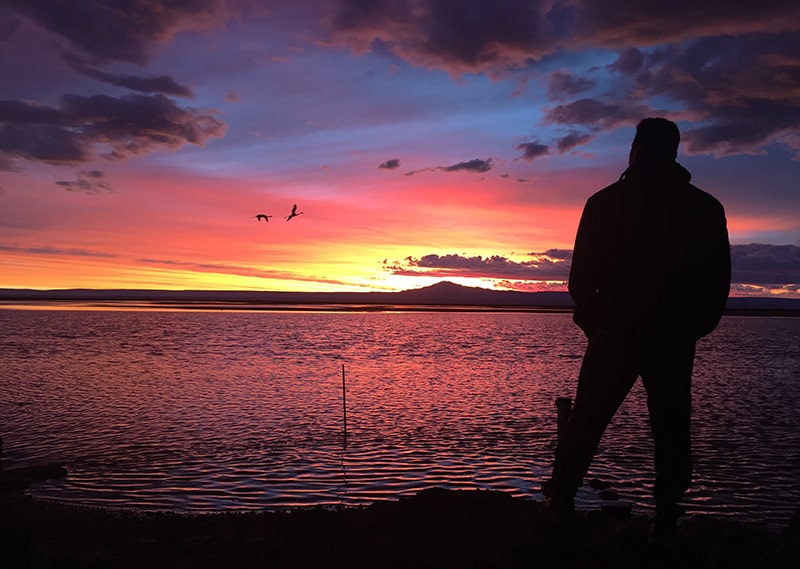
point(219, 411)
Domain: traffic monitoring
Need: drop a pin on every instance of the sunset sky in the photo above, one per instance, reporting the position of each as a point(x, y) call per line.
point(423, 140)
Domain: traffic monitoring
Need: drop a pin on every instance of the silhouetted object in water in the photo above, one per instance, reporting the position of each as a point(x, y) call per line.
point(563, 408)
point(650, 276)
point(17, 479)
point(263, 216)
point(294, 213)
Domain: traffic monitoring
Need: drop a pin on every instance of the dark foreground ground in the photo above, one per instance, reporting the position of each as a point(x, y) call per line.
point(436, 528)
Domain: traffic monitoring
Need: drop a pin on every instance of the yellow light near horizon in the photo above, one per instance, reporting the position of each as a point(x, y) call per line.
point(66, 272)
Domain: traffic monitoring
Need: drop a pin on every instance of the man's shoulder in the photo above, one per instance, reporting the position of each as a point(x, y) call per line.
point(608, 201)
point(618, 190)
point(702, 198)
point(610, 193)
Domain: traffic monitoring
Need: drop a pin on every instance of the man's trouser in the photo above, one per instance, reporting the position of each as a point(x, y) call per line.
point(608, 372)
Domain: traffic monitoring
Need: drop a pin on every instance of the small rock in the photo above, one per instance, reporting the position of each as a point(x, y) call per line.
point(609, 495)
point(597, 484)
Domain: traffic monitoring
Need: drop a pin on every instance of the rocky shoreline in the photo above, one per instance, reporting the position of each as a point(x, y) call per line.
point(435, 528)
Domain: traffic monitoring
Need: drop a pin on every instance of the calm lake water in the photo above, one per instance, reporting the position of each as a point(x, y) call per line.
point(228, 410)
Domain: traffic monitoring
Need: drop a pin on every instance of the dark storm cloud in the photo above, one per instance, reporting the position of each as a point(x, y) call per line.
point(149, 84)
point(742, 93)
point(633, 22)
point(747, 133)
point(734, 66)
point(391, 164)
point(470, 31)
point(478, 33)
point(531, 150)
point(88, 181)
point(125, 30)
point(130, 125)
point(453, 34)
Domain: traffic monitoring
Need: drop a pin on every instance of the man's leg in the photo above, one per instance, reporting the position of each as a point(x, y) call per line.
point(607, 375)
point(667, 377)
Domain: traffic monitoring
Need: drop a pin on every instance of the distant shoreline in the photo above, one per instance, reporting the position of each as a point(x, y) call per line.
point(272, 307)
point(227, 306)
point(441, 297)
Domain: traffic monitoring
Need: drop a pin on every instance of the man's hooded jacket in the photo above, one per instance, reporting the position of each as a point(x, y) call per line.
point(651, 258)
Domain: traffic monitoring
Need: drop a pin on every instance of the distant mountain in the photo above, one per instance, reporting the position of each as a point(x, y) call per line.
point(444, 293)
point(447, 293)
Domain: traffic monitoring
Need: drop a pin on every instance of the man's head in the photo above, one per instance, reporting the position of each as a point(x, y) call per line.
point(656, 141)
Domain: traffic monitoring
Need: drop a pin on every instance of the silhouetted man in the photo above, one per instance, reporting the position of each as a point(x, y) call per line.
point(650, 276)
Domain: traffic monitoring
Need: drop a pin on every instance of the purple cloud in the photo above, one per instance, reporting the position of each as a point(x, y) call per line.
point(474, 165)
point(761, 264)
point(572, 139)
point(542, 266)
point(126, 31)
point(598, 114)
point(739, 92)
point(88, 181)
point(391, 164)
point(732, 68)
point(69, 132)
point(453, 34)
point(629, 61)
point(150, 84)
point(531, 150)
point(565, 84)
point(755, 264)
point(93, 34)
point(476, 34)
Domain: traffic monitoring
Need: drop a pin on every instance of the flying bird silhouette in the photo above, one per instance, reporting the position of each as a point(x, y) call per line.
point(263, 216)
point(294, 213)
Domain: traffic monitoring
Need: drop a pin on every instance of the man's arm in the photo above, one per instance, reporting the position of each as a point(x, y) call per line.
point(715, 282)
point(584, 273)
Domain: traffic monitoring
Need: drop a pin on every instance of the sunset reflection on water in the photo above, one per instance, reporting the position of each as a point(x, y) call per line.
point(200, 411)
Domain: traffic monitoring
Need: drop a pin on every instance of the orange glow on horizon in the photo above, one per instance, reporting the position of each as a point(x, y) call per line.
point(166, 230)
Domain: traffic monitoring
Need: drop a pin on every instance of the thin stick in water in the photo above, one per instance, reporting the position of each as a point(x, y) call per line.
point(344, 402)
